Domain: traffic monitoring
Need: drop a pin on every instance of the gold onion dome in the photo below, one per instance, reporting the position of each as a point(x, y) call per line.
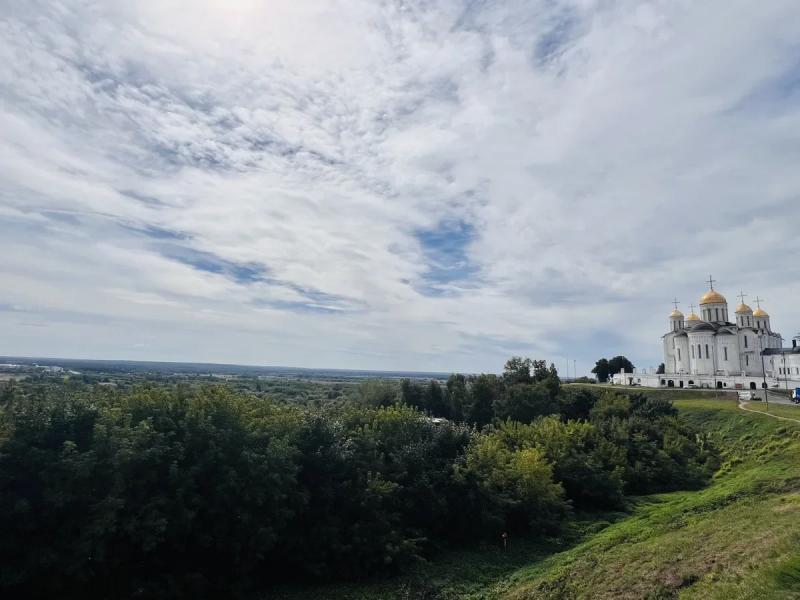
point(743, 308)
point(760, 312)
point(675, 313)
point(692, 317)
point(712, 297)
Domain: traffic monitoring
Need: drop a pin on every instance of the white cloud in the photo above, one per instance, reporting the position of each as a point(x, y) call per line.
point(250, 182)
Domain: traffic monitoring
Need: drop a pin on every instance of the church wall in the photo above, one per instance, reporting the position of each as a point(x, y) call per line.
point(750, 350)
point(714, 313)
point(728, 383)
point(669, 352)
point(728, 346)
point(700, 353)
point(790, 368)
point(682, 344)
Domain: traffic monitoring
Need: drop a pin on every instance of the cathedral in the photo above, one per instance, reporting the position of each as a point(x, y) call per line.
point(716, 342)
point(718, 349)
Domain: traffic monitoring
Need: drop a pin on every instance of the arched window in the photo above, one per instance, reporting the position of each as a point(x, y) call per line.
point(692, 351)
point(725, 351)
point(699, 351)
point(745, 341)
point(679, 353)
point(707, 354)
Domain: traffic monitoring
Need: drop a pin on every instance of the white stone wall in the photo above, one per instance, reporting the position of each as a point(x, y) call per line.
point(727, 383)
point(750, 350)
point(714, 313)
point(728, 354)
point(786, 366)
point(701, 352)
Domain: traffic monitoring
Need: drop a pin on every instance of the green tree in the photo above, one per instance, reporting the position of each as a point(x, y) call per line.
point(518, 490)
point(435, 401)
point(457, 396)
point(412, 393)
point(576, 403)
point(619, 364)
point(525, 402)
point(483, 390)
point(602, 370)
point(518, 370)
point(377, 393)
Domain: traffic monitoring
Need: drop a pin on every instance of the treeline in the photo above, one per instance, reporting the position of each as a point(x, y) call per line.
point(526, 390)
point(168, 492)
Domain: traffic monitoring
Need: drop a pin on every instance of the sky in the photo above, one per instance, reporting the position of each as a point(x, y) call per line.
point(378, 184)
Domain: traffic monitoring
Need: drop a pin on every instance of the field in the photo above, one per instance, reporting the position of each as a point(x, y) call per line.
point(737, 538)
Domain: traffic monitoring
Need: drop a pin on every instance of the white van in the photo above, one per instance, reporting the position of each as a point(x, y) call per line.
point(747, 395)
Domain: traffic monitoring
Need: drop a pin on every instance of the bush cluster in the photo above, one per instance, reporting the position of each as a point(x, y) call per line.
point(167, 492)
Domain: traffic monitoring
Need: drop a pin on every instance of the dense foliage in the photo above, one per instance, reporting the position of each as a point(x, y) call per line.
point(171, 491)
point(606, 367)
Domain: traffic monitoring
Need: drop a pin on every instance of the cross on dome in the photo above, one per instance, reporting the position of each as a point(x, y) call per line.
point(758, 301)
point(675, 302)
point(711, 282)
point(742, 295)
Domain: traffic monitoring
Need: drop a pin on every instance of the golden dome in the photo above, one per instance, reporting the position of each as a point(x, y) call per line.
point(675, 314)
point(760, 312)
point(712, 297)
point(743, 308)
point(692, 317)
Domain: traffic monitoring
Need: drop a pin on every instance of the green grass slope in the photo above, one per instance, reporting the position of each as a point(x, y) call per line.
point(738, 538)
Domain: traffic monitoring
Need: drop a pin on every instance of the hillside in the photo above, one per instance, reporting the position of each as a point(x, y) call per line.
point(737, 538)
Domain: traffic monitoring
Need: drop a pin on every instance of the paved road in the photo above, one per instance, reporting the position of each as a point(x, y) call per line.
point(776, 398)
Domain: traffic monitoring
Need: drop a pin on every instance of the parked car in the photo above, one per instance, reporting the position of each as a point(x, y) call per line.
point(796, 396)
point(748, 395)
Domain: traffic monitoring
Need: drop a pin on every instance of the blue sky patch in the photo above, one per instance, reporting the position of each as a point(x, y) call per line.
point(445, 251)
point(243, 273)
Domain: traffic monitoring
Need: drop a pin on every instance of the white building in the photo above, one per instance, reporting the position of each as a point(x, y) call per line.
point(717, 349)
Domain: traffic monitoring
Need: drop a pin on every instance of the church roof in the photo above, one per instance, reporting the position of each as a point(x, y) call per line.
point(794, 350)
point(703, 326)
point(743, 308)
point(712, 297)
point(675, 313)
point(760, 312)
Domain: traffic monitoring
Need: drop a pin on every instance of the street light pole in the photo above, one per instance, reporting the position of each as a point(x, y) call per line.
point(764, 374)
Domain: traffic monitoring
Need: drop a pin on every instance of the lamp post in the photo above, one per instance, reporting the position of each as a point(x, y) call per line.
point(764, 375)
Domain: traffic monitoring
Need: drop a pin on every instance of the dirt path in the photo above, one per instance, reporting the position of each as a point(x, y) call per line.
point(744, 405)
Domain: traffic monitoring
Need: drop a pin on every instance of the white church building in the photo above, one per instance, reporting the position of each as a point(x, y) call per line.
point(716, 349)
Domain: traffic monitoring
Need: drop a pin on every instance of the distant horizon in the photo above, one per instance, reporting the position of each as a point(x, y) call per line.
point(54, 359)
point(121, 361)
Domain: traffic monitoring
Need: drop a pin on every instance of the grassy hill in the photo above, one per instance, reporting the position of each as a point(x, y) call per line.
point(737, 538)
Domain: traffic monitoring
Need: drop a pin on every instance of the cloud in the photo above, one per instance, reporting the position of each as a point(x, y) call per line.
point(390, 185)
